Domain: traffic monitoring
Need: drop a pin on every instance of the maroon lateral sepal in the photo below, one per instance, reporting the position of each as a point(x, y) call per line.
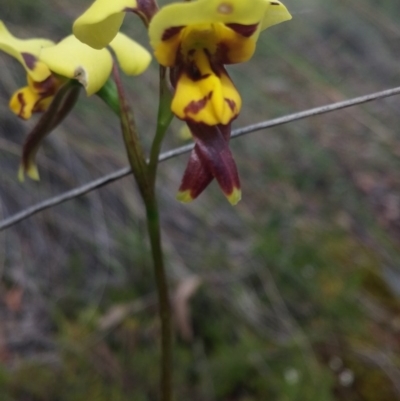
point(63, 102)
point(197, 175)
point(211, 158)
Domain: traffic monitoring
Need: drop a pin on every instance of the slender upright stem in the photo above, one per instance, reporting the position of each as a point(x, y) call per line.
point(153, 225)
point(154, 229)
point(145, 175)
point(164, 118)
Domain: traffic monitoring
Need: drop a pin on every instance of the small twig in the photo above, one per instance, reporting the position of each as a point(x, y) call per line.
point(116, 175)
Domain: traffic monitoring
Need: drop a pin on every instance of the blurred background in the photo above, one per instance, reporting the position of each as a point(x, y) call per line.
point(291, 295)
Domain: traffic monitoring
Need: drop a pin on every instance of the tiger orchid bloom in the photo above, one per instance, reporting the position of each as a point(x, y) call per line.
point(40, 84)
point(50, 67)
point(100, 23)
point(196, 40)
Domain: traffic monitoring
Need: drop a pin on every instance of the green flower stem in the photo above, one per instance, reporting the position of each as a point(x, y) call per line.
point(164, 119)
point(109, 94)
point(153, 223)
point(145, 176)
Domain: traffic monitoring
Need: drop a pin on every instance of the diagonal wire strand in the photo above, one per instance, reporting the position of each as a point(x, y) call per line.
point(116, 175)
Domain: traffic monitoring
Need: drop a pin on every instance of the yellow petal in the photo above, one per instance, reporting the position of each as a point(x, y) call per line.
point(205, 12)
point(132, 57)
point(208, 99)
point(100, 23)
point(47, 87)
point(275, 13)
point(26, 51)
point(236, 24)
point(73, 59)
point(23, 102)
point(34, 98)
point(165, 51)
point(236, 48)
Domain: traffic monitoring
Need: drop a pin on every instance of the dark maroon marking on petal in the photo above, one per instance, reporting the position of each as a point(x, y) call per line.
point(274, 4)
point(175, 74)
point(231, 104)
point(197, 175)
point(22, 103)
point(197, 105)
point(171, 32)
point(194, 73)
point(47, 87)
point(214, 152)
point(39, 106)
point(225, 131)
point(30, 60)
point(59, 108)
point(179, 57)
point(221, 55)
point(244, 30)
point(205, 76)
point(145, 9)
point(215, 63)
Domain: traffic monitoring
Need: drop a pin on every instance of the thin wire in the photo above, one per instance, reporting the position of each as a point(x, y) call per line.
point(117, 175)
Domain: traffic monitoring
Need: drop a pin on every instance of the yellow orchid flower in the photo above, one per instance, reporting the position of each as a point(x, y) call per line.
point(196, 40)
point(52, 70)
point(100, 23)
point(48, 65)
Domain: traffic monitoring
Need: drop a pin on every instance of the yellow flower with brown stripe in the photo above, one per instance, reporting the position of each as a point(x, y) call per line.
point(196, 40)
point(51, 66)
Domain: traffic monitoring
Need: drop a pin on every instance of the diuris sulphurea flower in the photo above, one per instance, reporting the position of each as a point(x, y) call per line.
point(55, 72)
point(196, 40)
